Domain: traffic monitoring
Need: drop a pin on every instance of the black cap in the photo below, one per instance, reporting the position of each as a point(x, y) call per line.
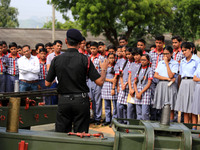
point(74, 34)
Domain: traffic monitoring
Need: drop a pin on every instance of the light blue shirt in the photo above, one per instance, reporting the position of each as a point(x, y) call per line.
point(197, 72)
point(196, 57)
point(187, 69)
point(162, 68)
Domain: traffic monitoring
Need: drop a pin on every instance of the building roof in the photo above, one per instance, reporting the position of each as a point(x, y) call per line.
point(31, 37)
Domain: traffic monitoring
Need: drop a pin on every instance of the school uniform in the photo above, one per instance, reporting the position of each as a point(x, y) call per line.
point(42, 76)
point(106, 54)
point(12, 72)
point(165, 94)
point(123, 94)
point(83, 52)
point(2, 73)
point(196, 96)
point(186, 90)
point(131, 109)
point(155, 58)
point(119, 64)
point(142, 105)
point(95, 90)
point(106, 95)
point(196, 57)
point(178, 56)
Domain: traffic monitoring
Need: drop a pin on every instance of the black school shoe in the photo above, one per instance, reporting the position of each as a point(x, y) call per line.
point(105, 124)
point(97, 123)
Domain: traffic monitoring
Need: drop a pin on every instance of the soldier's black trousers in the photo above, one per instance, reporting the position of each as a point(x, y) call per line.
point(73, 109)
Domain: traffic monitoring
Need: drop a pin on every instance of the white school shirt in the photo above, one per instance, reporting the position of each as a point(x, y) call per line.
point(187, 69)
point(28, 68)
point(162, 68)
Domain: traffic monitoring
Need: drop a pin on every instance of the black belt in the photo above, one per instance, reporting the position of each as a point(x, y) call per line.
point(187, 78)
point(83, 95)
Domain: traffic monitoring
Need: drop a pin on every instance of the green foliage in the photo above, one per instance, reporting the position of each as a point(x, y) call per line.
point(186, 21)
point(134, 18)
point(8, 15)
point(58, 25)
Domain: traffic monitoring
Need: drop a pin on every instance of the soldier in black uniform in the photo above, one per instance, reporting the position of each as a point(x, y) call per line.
point(71, 69)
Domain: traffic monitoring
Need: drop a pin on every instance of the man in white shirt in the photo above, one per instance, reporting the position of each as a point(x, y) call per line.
point(29, 68)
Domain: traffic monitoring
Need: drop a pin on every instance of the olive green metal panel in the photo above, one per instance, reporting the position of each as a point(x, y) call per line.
point(138, 135)
point(52, 141)
point(35, 115)
point(149, 135)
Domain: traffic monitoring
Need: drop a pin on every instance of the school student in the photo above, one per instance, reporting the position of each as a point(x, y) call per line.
point(5, 48)
point(43, 72)
point(109, 92)
point(2, 69)
point(177, 53)
point(194, 51)
point(123, 41)
point(57, 46)
point(141, 43)
point(12, 70)
point(120, 60)
point(19, 50)
point(95, 90)
point(142, 89)
point(166, 72)
point(156, 56)
point(123, 87)
point(152, 47)
point(82, 49)
point(38, 46)
point(196, 96)
point(102, 49)
point(137, 54)
point(111, 49)
point(124, 48)
point(48, 47)
point(177, 56)
point(188, 66)
point(88, 47)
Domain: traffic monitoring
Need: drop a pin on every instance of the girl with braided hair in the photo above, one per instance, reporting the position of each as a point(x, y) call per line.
point(142, 89)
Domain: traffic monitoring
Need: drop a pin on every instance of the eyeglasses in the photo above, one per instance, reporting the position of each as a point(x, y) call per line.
point(143, 59)
point(166, 53)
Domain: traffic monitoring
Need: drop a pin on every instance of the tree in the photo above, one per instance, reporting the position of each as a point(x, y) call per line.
point(8, 15)
point(186, 21)
point(111, 17)
point(58, 25)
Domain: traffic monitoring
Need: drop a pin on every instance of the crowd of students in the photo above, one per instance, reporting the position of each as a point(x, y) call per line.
point(28, 66)
point(138, 82)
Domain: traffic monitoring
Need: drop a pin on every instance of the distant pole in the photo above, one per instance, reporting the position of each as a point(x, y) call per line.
point(53, 23)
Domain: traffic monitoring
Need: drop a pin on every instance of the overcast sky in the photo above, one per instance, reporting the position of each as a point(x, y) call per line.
point(34, 8)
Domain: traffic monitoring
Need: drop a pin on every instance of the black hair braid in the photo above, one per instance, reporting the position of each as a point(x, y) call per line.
point(145, 73)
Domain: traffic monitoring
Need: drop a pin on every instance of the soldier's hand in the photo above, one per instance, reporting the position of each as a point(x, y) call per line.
point(104, 65)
